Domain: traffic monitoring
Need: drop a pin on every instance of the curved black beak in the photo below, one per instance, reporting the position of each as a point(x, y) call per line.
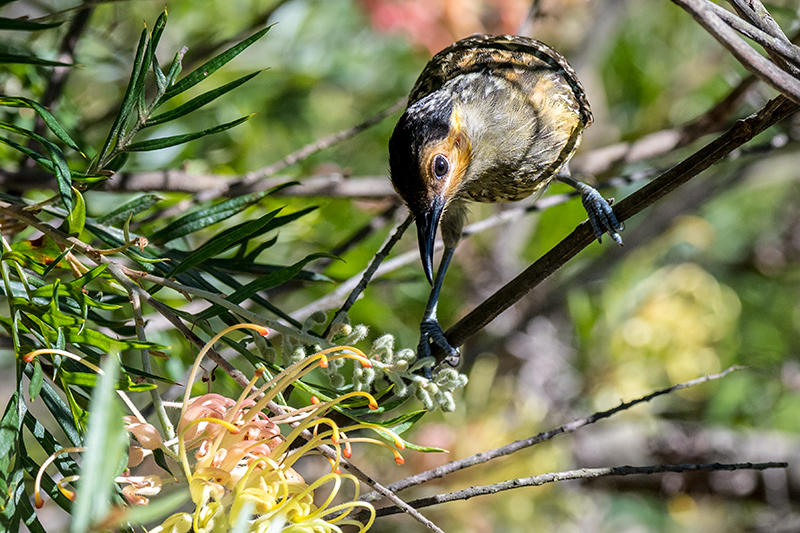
point(427, 224)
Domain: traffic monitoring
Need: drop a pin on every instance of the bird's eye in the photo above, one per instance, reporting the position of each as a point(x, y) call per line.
point(441, 167)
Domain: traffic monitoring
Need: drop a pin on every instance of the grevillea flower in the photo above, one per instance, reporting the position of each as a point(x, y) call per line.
point(242, 460)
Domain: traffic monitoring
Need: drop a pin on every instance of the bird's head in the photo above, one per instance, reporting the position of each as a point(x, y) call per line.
point(429, 153)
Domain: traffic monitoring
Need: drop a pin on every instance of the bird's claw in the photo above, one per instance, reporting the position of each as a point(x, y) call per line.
point(432, 333)
point(601, 216)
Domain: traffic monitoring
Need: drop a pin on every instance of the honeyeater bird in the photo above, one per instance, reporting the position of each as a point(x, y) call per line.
point(490, 119)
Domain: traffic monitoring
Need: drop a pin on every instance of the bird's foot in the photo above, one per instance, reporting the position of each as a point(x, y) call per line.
point(601, 216)
point(431, 333)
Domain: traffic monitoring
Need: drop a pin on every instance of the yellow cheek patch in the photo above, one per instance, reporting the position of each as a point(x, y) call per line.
point(458, 150)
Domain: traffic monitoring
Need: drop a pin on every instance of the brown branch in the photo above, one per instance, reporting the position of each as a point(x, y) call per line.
point(508, 449)
point(581, 237)
point(583, 473)
point(704, 12)
point(366, 276)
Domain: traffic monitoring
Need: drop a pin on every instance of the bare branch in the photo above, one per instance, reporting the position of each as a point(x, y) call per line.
point(370, 271)
point(706, 14)
point(508, 449)
point(583, 473)
point(581, 237)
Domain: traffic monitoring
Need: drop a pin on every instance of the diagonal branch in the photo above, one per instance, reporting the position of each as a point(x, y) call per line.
point(742, 132)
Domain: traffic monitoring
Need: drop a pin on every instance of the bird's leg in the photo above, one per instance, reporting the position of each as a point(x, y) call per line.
point(601, 216)
point(429, 328)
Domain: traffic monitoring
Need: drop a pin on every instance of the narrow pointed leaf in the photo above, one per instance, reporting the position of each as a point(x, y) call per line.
point(128, 101)
point(57, 158)
point(161, 78)
point(26, 25)
point(198, 102)
point(74, 223)
point(260, 284)
point(48, 118)
point(204, 218)
point(129, 208)
point(211, 66)
point(175, 67)
point(11, 475)
point(105, 448)
point(174, 140)
point(223, 241)
point(22, 59)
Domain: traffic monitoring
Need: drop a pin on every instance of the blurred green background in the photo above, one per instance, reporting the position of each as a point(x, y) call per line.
point(708, 278)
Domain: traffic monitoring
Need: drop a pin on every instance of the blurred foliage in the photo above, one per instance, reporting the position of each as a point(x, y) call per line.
point(708, 279)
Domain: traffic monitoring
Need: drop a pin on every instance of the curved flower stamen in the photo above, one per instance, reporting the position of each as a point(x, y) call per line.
point(37, 484)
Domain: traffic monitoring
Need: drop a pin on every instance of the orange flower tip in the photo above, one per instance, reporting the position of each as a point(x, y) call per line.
point(263, 332)
point(314, 400)
point(27, 357)
point(323, 362)
point(39, 501)
point(259, 372)
point(373, 406)
point(347, 453)
point(366, 363)
point(339, 471)
point(335, 440)
point(400, 445)
point(399, 460)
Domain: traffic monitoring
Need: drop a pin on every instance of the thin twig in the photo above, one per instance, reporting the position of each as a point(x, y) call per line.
point(234, 188)
point(155, 397)
point(370, 271)
point(583, 473)
point(508, 449)
point(759, 65)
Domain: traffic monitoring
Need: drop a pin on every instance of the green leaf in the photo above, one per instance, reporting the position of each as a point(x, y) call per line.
point(11, 475)
point(63, 174)
point(37, 380)
point(158, 31)
point(86, 379)
point(206, 69)
point(105, 343)
point(128, 101)
point(174, 140)
point(47, 117)
point(198, 102)
point(175, 68)
point(26, 25)
point(21, 59)
point(281, 276)
point(28, 516)
point(230, 281)
point(65, 464)
point(129, 209)
point(74, 223)
point(60, 412)
point(225, 240)
point(106, 442)
point(56, 261)
point(203, 218)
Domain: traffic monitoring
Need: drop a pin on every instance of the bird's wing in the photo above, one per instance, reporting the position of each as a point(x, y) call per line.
point(505, 55)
